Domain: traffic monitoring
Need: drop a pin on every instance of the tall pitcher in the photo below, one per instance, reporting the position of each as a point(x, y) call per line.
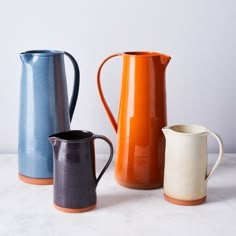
point(44, 110)
point(142, 115)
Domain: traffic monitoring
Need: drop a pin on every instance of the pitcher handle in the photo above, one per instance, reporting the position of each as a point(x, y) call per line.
point(96, 136)
point(108, 111)
point(75, 91)
point(221, 150)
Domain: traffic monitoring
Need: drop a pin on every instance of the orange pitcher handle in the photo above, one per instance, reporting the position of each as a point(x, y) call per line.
point(108, 111)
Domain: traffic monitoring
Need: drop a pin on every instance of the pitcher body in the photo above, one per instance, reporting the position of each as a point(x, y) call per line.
point(44, 110)
point(186, 158)
point(75, 181)
point(142, 115)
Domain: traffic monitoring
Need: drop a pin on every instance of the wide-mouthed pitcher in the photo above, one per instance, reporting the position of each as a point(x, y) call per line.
point(75, 179)
point(186, 163)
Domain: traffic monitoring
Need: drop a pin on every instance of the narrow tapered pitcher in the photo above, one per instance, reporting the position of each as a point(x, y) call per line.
point(142, 115)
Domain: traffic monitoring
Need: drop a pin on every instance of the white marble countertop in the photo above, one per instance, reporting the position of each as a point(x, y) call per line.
point(28, 210)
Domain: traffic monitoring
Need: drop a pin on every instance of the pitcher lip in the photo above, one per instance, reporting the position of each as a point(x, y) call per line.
point(144, 53)
point(73, 136)
point(43, 52)
point(192, 129)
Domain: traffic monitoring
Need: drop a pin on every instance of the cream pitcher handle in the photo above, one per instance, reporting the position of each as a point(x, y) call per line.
point(221, 150)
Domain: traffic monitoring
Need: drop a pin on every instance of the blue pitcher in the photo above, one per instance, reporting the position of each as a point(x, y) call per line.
point(44, 110)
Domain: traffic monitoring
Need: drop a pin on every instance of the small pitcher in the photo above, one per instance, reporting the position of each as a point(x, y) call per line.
point(75, 178)
point(185, 173)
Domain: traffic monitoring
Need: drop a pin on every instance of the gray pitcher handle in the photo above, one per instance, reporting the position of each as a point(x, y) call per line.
point(110, 157)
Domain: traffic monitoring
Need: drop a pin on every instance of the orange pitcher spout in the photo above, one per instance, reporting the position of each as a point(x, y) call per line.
point(165, 60)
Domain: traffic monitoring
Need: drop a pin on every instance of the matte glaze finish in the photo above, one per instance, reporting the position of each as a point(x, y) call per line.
point(75, 179)
point(186, 176)
point(44, 110)
point(142, 114)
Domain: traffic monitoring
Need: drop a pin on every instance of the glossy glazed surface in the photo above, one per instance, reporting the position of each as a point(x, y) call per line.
point(142, 114)
point(75, 180)
point(44, 110)
point(186, 176)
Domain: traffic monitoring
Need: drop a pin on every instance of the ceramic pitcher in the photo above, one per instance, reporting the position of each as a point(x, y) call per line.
point(142, 114)
point(75, 181)
point(186, 175)
point(44, 110)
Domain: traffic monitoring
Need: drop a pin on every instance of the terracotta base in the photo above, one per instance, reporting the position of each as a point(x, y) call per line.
point(184, 202)
point(72, 210)
point(139, 186)
point(37, 181)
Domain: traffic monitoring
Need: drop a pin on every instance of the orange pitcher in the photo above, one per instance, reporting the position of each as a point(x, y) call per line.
point(141, 117)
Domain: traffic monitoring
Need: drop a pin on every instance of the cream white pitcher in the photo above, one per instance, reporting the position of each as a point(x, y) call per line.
point(185, 173)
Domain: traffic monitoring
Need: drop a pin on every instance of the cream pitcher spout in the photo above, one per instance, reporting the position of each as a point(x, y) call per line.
point(165, 130)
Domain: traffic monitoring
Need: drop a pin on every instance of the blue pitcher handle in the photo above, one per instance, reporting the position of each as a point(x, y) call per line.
point(75, 91)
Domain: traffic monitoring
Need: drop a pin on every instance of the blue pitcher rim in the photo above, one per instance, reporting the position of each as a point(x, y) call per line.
point(43, 52)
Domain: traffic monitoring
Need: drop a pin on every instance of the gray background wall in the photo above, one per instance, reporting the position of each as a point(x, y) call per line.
point(200, 36)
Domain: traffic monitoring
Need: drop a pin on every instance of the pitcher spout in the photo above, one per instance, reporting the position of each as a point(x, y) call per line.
point(165, 130)
point(52, 140)
point(26, 57)
point(165, 60)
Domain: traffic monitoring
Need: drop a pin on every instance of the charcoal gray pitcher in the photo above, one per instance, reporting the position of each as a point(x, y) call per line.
point(44, 110)
point(75, 181)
